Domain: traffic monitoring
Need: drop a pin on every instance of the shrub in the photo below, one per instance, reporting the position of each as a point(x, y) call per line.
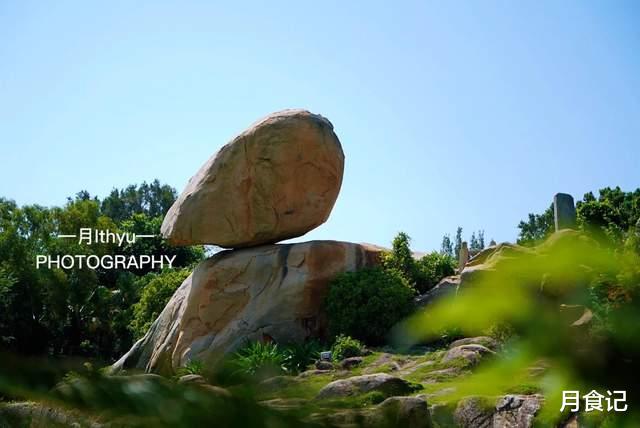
point(260, 359)
point(422, 274)
point(193, 367)
point(345, 347)
point(431, 269)
point(400, 258)
point(298, 356)
point(373, 397)
point(157, 289)
point(367, 303)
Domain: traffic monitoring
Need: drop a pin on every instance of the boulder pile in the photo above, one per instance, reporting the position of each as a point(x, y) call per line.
point(277, 180)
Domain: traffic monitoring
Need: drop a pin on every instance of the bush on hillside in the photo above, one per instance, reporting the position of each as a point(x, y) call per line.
point(422, 274)
point(367, 303)
point(431, 269)
point(346, 347)
point(260, 359)
point(157, 289)
point(298, 356)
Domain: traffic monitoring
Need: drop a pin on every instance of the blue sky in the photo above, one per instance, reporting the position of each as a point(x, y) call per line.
point(450, 113)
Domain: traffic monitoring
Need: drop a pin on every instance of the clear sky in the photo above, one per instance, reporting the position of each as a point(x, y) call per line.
point(450, 113)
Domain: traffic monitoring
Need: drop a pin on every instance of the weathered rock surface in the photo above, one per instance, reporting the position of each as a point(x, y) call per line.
point(351, 362)
point(324, 365)
point(479, 340)
point(277, 180)
point(446, 287)
point(268, 292)
point(511, 411)
point(387, 384)
point(472, 353)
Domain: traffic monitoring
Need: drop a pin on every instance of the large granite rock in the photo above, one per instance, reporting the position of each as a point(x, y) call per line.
point(385, 383)
point(277, 180)
point(268, 292)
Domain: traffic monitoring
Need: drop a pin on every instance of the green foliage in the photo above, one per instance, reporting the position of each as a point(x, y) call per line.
point(367, 303)
point(501, 332)
point(446, 248)
point(193, 367)
point(77, 311)
point(421, 274)
point(525, 291)
point(537, 228)
point(609, 217)
point(142, 224)
point(432, 268)
point(346, 347)
point(373, 398)
point(260, 360)
point(477, 241)
point(458, 243)
point(298, 356)
point(400, 258)
point(89, 398)
point(156, 290)
point(153, 200)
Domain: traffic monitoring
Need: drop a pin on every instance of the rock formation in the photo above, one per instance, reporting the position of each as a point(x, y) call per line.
point(277, 180)
point(273, 291)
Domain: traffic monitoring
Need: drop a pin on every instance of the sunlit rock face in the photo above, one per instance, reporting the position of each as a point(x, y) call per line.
point(271, 292)
point(278, 179)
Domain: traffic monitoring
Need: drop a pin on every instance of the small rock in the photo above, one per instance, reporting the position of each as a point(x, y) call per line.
point(472, 353)
point(387, 384)
point(349, 363)
point(324, 365)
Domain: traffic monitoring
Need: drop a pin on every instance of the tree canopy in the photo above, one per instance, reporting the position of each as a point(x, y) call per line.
point(80, 311)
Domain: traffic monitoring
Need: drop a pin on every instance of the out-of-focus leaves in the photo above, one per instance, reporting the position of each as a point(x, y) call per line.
point(541, 293)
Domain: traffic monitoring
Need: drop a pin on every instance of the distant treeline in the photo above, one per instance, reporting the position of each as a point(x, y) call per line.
point(80, 311)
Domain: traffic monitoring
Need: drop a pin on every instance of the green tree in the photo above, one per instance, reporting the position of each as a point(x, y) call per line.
point(446, 248)
point(609, 217)
point(77, 311)
point(152, 199)
point(157, 289)
point(537, 228)
point(400, 258)
point(458, 243)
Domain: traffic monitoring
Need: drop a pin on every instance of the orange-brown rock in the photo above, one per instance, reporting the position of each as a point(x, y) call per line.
point(277, 180)
point(272, 292)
